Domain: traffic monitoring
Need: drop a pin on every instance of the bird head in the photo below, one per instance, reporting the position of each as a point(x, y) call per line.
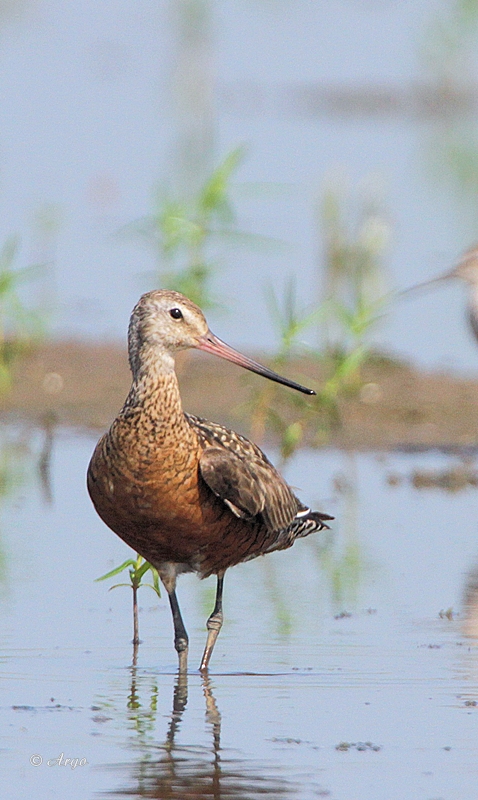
point(467, 267)
point(164, 322)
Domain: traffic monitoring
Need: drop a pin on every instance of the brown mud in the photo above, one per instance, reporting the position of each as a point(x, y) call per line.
point(84, 385)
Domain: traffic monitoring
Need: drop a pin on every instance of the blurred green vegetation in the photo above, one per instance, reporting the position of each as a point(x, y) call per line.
point(452, 159)
point(449, 46)
point(185, 233)
point(449, 51)
point(354, 301)
point(356, 235)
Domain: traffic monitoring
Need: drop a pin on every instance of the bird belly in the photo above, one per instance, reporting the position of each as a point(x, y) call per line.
point(163, 510)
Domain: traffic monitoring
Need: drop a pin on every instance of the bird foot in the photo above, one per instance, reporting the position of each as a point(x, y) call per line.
point(181, 644)
point(214, 625)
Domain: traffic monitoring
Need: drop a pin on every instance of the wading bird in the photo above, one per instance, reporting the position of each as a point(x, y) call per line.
point(467, 270)
point(187, 494)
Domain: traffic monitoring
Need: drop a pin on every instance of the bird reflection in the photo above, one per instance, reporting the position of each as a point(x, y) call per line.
point(173, 771)
point(180, 700)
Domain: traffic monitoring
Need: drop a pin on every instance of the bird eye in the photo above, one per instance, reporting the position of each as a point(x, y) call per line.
point(176, 313)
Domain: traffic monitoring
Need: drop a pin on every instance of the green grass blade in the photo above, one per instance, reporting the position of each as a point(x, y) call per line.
point(128, 563)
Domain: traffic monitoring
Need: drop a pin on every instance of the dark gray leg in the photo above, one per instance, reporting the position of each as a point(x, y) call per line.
point(214, 624)
point(181, 640)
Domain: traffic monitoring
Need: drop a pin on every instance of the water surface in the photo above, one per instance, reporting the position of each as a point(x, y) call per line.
point(346, 667)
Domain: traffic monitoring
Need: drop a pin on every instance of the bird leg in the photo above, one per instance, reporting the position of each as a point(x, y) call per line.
point(181, 640)
point(214, 624)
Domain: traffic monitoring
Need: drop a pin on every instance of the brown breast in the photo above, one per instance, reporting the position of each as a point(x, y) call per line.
point(148, 490)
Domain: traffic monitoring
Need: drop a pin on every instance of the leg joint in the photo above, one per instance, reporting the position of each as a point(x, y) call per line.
point(215, 621)
point(181, 643)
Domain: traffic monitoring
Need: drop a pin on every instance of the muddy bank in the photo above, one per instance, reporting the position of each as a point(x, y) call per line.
point(84, 385)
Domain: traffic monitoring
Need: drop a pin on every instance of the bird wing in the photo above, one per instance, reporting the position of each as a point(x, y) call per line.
point(238, 472)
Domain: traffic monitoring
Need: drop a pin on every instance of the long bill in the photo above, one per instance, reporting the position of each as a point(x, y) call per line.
point(212, 344)
point(426, 284)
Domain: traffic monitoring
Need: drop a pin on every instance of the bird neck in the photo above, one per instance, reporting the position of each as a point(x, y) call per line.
point(155, 389)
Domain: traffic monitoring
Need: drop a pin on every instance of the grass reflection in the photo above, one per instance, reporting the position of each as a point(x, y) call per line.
point(343, 562)
point(142, 714)
point(21, 464)
point(273, 585)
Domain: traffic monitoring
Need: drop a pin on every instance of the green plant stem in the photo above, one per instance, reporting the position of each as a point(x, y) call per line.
point(135, 615)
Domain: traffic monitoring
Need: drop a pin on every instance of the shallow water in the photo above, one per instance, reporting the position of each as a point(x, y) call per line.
point(335, 674)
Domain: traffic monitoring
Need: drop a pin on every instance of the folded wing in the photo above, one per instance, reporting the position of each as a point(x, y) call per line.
point(238, 472)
